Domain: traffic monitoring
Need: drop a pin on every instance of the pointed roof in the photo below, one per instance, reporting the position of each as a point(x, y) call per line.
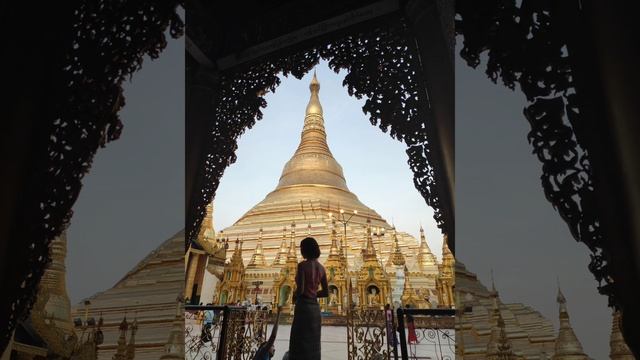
point(617, 345)
point(407, 282)
point(313, 163)
point(396, 257)
point(425, 256)
point(257, 260)
point(206, 231)
point(499, 345)
point(174, 347)
point(236, 258)
point(281, 256)
point(292, 257)
point(131, 345)
point(567, 344)
point(447, 255)
point(334, 251)
point(369, 253)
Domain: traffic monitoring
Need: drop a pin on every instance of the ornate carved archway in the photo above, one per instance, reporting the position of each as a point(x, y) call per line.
point(85, 50)
point(383, 64)
point(548, 49)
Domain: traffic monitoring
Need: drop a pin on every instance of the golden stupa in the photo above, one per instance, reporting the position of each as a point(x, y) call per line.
point(312, 186)
point(312, 199)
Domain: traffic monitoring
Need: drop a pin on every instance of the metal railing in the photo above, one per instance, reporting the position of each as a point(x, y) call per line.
point(230, 332)
point(423, 331)
point(224, 332)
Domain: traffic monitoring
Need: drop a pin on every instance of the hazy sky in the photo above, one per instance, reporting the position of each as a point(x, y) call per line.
point(133, 198)
point(504, 221)
point(375, 165)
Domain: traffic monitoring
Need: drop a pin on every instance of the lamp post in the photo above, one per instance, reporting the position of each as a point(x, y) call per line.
point(345, 220)
point(342, 218)
point(221, 240)
point(379, 232)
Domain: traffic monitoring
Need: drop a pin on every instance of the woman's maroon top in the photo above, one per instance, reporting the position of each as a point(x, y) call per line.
point(314, 275)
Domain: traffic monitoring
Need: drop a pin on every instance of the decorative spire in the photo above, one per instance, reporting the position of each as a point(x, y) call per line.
point(292, 257)
point(369, 253)
point(236, 258)
point(426, 258)
point(396, 257)
point(409, 296)
point(334, 252)
point(131, 346)
point(51, 312)
point(314, 107)
point(257, 260)
point(281, 256)
point(121, 349)
point(499, 346)
point(567, 344)
point(313, 162)
point(493, 284)
point(494, 293)
point(53, 287)
point(618, 347)
point(447, 255)
point(447, 268)
point(174, 347)
point(206, 231)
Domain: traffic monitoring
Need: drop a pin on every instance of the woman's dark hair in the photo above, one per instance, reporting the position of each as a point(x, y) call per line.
point(309, 248)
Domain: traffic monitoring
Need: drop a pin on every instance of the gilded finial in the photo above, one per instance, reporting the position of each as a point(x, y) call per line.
point(314, 86)
point(314, 107)
point(493, 282)
point(567, 345)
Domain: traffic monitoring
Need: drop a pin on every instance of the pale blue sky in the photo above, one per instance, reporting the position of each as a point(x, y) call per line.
point(374, 164)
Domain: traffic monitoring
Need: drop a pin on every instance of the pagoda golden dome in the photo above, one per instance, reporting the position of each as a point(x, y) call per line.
point(312, 178)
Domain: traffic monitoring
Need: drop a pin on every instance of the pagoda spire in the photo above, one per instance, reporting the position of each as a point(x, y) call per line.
point(446, 276)
point(281, 256)
point(313, 163)
point(334, 252)
point(236, 258)
point(51, 312)
point(447, 255)
point(370, 250)
point(425, 256)
point(121, 347)
point(206, 231)
point(174, 347)
point(499, 346)
point(131, 345)
point(396, 257)
point(409, 296)
point(292, 257)
point(257, 260)
point(567, 344)
point(617, 345)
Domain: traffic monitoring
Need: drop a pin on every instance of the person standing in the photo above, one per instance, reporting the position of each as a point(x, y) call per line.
point(304, 342)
